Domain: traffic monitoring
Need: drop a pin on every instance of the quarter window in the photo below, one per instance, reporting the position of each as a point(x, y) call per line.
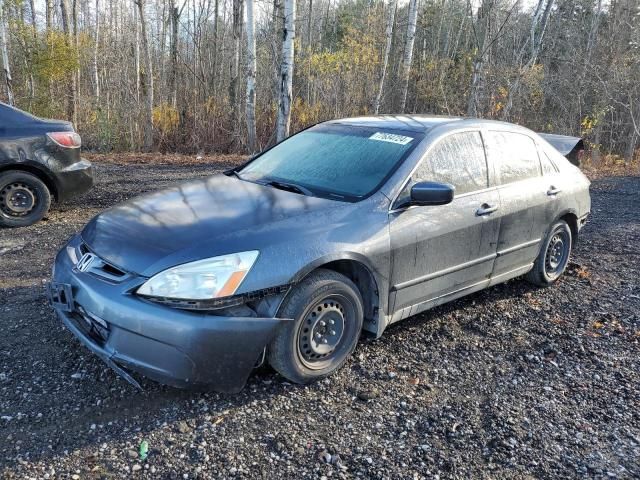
point(517, 156)
point(548, 167)
point(458, 159)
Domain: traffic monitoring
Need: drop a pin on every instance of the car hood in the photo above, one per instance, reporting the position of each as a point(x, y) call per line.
point(196, 220)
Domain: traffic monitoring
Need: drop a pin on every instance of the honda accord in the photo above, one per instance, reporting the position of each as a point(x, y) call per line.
point(343, 228)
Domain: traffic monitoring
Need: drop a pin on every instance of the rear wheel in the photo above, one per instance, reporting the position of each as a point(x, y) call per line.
point(554, 255)
point(24, 199)
point(327, 312)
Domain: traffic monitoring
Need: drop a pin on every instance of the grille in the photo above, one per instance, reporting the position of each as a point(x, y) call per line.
point(102, 269)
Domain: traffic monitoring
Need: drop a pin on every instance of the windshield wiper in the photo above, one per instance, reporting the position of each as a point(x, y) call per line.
point(233, 172)
point(289, 187)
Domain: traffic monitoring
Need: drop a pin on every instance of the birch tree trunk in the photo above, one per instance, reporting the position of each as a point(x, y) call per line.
point(286, 71)
point(408, 51)
point(385, 62)
point(481, 32)
point(49, 14)
point(5, 57)
point(96, 77)
point(251, 79)
point(146, 78)
point(235, 65)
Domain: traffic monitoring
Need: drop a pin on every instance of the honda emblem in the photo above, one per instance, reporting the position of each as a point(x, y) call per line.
point(85, 262)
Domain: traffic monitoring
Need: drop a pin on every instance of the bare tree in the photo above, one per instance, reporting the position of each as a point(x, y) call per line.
point(552, 65)
point(5, 57)
point(251, 79)
point(72, 102)
point(235, 65)
point(537, 31)
point(389, 39)
point(146, 80)
point(49, 14)
point(175, 14)
point(286, 71)
point(408, 51)
point(96, 76)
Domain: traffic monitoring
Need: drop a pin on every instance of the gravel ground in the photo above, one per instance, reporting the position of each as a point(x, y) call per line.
point(512, 382)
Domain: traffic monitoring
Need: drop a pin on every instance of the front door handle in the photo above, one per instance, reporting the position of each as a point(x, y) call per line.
point(553, 191)
point(486, 209)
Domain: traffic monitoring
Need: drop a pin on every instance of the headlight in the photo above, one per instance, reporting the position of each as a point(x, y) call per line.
point(211, 278)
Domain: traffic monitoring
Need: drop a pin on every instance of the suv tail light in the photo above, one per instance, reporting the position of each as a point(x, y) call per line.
point(65, 139)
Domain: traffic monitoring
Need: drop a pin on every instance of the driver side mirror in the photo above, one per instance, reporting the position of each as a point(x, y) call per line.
point(431, 193)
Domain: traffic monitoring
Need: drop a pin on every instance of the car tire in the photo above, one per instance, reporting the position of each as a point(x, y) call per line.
point(24, 199)
point(327, 314)
point(554, 256)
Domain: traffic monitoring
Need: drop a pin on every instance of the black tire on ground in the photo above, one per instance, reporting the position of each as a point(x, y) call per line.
point(553, 257)
point(24, 199)
point(327, 312)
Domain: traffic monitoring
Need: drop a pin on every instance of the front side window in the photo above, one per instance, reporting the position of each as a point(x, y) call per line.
point(516, 156)
point(457, 159)
point(335, 161)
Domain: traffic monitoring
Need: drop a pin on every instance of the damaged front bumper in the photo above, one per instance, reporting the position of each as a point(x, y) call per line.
point(175, 347)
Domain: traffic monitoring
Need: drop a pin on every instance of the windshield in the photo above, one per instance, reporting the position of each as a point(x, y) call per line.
point(334, 160)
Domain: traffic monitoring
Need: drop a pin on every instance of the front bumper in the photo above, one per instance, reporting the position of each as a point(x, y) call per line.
point(175, 347)
point(73, 180)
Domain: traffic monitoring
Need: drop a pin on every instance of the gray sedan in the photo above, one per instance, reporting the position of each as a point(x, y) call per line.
point(344, 228)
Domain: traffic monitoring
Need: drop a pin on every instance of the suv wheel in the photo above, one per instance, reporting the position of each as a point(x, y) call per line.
point(327, 312)
point(24, 199)
point(553, 257)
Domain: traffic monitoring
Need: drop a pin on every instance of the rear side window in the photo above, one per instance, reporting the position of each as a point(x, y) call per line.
point(516, 156)
point(458, 159)
point(548, 167)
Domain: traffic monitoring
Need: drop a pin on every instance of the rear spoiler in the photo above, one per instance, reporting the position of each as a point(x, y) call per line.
point(571, 147)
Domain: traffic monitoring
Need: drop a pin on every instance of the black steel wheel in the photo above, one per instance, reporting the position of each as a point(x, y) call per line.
point(24, 199)
point(554, 255)
point(327, 312)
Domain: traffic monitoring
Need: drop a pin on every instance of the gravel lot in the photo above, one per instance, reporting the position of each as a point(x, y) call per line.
point(512, 382)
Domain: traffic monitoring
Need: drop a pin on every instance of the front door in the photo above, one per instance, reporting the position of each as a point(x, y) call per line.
point(442, 250)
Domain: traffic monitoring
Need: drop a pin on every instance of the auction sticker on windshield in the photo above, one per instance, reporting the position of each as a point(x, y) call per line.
point(390, 137)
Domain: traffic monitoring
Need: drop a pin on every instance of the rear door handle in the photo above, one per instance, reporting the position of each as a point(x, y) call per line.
point(486, 209)
point(553, 191)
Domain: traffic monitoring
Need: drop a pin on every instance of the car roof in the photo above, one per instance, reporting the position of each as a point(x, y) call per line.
point(416, 123)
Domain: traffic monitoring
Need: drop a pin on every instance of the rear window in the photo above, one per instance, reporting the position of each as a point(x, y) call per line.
point(335, 160)
point(516, 155)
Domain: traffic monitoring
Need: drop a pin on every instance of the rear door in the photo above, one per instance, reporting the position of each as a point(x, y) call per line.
point(523, 200)
point(439, 250)
point(553, 186)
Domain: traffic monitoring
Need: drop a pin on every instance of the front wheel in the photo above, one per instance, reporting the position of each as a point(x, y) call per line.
point(554, 255)
point(327, 312)
point(24, 199)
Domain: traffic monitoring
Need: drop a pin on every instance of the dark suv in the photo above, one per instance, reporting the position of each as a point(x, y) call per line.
point(39, 160)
